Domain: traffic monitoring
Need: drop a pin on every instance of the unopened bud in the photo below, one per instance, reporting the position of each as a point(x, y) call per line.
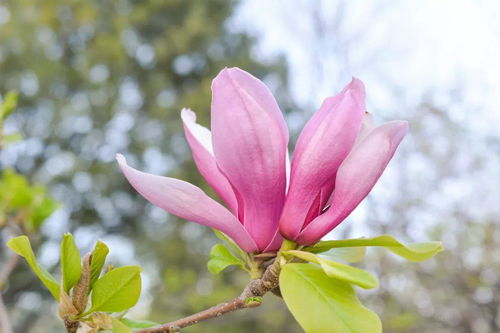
point(81, 290)
point(66, 308)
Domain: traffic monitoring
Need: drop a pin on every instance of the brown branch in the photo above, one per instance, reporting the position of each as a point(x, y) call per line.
point(249, 298)
point(7, 269)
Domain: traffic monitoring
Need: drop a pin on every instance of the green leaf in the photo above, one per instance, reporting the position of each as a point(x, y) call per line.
point(232, 245)
point(99, 255)
point(71, 262)
point(8, 105)
point(220, 258)
point(339, 271)
point(119, 327)
point(138, 323)
point(322, 304)
point(21, 245)
point(413, 252)
point(347, 254)
point(117, 290)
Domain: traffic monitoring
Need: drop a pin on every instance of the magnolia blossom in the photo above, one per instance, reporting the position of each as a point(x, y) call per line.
point(338, 158)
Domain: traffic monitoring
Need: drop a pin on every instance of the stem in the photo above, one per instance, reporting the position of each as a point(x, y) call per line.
point(7, 269)
point(249, 298)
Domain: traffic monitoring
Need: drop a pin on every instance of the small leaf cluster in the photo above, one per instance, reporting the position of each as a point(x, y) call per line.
point(87, 296)
point(320, 293)
point(317, 283)
point(228, 254)
point(24, 204)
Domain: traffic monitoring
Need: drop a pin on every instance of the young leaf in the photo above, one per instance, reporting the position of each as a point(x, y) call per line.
point(347, 254)
point(220, 258)
point(232, 245)
point(117, 290)
point(119, 327)
point(339, 271)
point(322, 304)
point(21, 245)
point(71, 265)
point(413, 252)
point(99, 255)
point(138, 323)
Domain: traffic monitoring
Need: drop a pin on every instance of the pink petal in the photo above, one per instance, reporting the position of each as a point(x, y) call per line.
point(356, 177)
point(323, 144)
point(188, 202)
point(200, 141)
point(367, 125)
point(275, 243)
point(250, 144)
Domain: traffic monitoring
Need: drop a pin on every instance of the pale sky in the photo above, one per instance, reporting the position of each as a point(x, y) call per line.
point(417, 46)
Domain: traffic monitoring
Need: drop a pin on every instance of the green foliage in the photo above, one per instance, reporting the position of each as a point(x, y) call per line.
point(25, 204)
point(322, 304)
point(413, 252)
point(117, 290)
point(339, 271)
point(221, 258)
point(21, 245)
point(71, 265)
point(99, 255)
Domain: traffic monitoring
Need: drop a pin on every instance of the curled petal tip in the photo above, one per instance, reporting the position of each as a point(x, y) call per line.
point(120, 159)
point(397, 130)
point(188, 115)
point(356, 90)
point(356, 85)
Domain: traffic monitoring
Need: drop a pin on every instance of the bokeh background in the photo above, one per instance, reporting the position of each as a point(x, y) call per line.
point(100, 77)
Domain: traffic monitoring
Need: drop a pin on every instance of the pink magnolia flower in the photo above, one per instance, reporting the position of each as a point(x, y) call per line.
point(338, 158)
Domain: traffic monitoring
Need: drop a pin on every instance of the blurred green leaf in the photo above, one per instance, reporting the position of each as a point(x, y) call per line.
point(42, 206)
point(99, 255)
point(322, 304)
point(132, 323)
point(11, 138)
point(71, 262)
point(21, 245)
point(8, 105)
point(413, 252)
point(339, 271)
point(18, 198)
point(221, 258)
point(14, 190)
point(119, 327)
point(117, 290)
